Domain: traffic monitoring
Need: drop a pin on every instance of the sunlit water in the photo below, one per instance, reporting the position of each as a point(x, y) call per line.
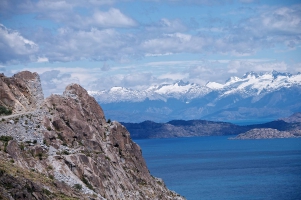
point(218, 168)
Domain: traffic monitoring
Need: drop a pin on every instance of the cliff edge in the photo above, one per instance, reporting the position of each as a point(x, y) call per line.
point(63, 147)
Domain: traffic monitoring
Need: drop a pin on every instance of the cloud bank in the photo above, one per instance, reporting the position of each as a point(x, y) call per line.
point(140, 43)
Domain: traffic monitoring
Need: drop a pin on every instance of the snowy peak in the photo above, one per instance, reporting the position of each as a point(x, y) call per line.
point(253, 84)
point(178, 90)
point(214, 85)
point(178, 87)
point(250, 75)
point(250, 84)
point(277, 74)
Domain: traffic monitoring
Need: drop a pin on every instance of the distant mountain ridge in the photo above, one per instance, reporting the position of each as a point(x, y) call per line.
point(264, 95)
point(282, 128)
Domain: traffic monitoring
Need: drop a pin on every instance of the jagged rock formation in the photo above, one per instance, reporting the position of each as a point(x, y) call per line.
point(264, 133)
point(22, 92)
point(67, 140)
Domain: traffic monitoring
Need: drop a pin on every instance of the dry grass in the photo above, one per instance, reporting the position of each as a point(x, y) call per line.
point(14, 170)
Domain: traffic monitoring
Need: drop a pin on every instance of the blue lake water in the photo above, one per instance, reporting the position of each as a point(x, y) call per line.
point(217, 168)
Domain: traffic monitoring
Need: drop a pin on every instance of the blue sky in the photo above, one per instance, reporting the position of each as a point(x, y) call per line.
point(104, 43)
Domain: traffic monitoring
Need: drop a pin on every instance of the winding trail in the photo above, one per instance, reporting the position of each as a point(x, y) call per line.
point(14, 115)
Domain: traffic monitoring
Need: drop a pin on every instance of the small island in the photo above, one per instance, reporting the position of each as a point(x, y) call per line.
point(264, 133)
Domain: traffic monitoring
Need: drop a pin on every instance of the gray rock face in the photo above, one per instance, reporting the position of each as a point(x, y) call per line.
point(67, 138)
point(22, 92)
point(264, 133)
point(295, 118)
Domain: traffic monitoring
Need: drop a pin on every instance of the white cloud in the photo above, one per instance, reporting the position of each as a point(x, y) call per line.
point(238, 67)
point(2, 69)
point(174, 76)
point(165, 25)
point(56, 5)
point(112, 18)
point(158, 54)
point(174, 43)
point(296, 68)
point(95, 44)
point(14, 47)
point(42, 59)
point(46, 8)
point(248, 1)
point(283, 19)
point(54, 81)
point(88, 30)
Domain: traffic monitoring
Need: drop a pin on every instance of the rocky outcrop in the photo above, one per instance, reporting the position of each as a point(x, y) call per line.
point(289, 127)
point(264, 133)
point(67, 139)
point(22, 92)
point(295, 118)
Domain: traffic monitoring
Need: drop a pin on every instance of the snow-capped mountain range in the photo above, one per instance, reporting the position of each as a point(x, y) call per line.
point(254, 96)
point(178, 90)
point(251, 84)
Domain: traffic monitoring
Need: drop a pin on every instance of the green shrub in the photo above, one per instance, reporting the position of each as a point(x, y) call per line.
point(60, 137)
point(47, 192)
point(5, 111)
point(40, 155)
point(22, 147)
point(78, 186)
point(86, 182)
point(5, 138)
point(65, 152)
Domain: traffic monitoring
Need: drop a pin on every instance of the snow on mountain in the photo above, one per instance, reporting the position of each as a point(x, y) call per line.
point(117, 94)
point(254, 84)
point(214, 85)
point(251, 84)
point(178, 90)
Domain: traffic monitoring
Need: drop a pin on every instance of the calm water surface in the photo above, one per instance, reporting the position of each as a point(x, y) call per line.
point(218, 168)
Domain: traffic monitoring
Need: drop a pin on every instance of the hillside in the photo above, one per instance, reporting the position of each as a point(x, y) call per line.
point(63, 148)
point(290, 127)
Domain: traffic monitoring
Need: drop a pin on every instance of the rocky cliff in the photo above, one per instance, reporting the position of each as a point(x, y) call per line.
point(63, 147)
point(22, 92)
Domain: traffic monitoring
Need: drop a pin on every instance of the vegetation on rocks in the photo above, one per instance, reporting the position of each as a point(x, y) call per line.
point(5, 111)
